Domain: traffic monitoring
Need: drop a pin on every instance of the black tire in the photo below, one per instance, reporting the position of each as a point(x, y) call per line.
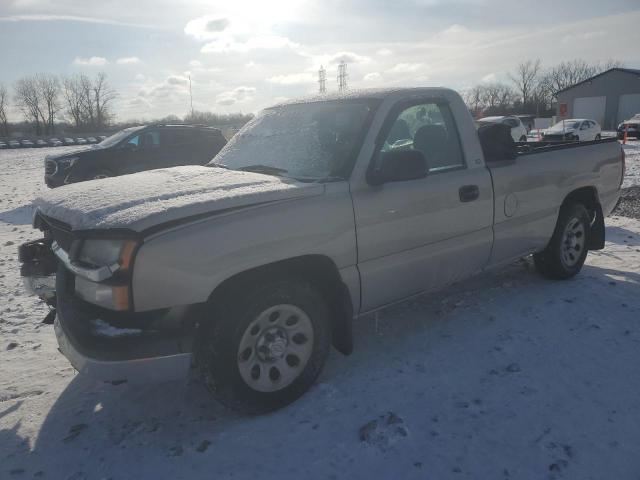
point(523, 138)
point(598, 137)
point(560, 260)
point(219, 358)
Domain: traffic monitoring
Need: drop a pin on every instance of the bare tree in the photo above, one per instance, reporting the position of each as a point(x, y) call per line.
point(103, 95)
point(29, 102)
point(88, 106)
point(525, 79)
point(72, 92)
point(4, 105)
point(49, 92)
point(474, 98)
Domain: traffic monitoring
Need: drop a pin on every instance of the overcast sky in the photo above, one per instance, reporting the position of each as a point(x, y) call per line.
point(245, 55)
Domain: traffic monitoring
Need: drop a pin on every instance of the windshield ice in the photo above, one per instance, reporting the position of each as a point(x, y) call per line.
point(309, 141)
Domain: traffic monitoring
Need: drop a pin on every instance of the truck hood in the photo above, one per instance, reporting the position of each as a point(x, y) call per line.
point(147, 199)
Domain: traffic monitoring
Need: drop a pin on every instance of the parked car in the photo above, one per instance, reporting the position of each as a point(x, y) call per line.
point(41, 143)
point(134, 150)
point(14, 144)
point(632, 126)
point(81, 141)
point(518, 130)
point(575, 130)
point(68, 141)
point(92, 140)
point(535, 135)
point(55, 142)
point(27, 143)
point(3, 145)
point(313, 214)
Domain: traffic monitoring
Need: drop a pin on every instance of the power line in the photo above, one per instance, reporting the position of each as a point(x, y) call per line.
point(342, 77)
point(322, 80)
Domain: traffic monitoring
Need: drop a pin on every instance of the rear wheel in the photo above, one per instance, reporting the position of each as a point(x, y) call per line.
point(266, 345)
point(523, 138)
point(564, 256)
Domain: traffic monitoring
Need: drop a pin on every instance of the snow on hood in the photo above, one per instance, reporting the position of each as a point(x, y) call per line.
point(146, 199)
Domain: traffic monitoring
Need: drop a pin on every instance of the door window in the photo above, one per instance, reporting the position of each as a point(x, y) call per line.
point(429, 128)
point(146, 139)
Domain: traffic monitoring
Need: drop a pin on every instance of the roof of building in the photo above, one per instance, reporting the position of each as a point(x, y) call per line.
point(632, 71)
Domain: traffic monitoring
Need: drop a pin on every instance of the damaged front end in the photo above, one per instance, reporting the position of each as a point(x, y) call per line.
point(86, 280)
point(38, 265)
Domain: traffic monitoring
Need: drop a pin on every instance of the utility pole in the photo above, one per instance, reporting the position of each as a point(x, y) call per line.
point(342, 77)
point(191, 97)
point(322, 80)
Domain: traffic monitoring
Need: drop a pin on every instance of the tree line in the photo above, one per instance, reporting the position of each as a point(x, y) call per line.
point(45, 100)
point(531, 88)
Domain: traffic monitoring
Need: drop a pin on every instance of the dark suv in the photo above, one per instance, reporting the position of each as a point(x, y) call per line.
point(136, 149)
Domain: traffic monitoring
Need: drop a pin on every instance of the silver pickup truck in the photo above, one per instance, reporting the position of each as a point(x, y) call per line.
point(247, 270)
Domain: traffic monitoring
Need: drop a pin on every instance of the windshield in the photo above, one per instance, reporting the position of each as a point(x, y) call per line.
point(117, 137)
point(565, 125)
point(310, 141)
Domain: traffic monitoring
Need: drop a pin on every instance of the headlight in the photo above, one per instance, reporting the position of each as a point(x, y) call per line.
point(67, 162)
point(107, 253)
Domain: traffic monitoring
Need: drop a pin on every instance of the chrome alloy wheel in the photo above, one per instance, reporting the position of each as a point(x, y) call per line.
point(275, 348)
point(573, 242)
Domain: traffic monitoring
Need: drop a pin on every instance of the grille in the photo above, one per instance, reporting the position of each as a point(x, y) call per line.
point(50, 167)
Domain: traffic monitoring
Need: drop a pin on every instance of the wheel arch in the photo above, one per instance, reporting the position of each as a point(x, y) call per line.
point(588, 196)
point(320, 271)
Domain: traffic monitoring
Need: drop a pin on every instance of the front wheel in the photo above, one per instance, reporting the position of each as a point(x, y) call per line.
point(266, 345)
point(523, 138)
point(598, 137)
point(567, 250)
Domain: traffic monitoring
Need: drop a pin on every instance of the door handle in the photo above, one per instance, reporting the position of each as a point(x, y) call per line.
point(469, 193)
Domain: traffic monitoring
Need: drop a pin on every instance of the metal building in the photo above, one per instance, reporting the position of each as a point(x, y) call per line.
point(608, 98)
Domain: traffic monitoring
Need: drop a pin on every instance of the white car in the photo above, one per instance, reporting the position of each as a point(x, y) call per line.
point(574, 129)
point(518, 130)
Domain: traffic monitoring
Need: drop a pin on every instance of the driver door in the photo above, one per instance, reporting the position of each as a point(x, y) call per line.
point(143, 151)
point(417, 235)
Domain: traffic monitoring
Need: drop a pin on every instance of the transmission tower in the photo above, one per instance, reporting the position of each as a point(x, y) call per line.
point(322, 80)
point(342, 77)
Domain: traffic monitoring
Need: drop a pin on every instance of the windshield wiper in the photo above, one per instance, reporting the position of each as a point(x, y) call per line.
point(266, 169)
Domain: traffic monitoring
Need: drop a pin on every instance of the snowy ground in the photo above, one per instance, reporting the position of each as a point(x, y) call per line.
point(506, 376)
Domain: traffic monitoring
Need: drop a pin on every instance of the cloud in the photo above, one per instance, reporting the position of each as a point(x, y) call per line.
point(292, 79)
point(237, 95)
point(407, 67)
point(128, 61)
point(583, 36)
point(227, 44)
point(177, 80)
point(71, 18)
point(196, 64)
point(91, 62)
point(384, 52)
point(217, 25)
point(489, 78)
point(372, 77)
point(207, 27)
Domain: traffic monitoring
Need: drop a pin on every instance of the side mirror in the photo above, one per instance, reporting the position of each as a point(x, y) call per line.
point(398, 166)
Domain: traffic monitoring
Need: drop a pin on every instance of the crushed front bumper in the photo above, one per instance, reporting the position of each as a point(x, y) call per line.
point(107, 345)
point(115, 346)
